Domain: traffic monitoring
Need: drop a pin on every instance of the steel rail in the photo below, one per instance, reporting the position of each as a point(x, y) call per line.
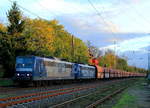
point(79, 97)
point(30, 97)
point(39, 93)
point(35, 94)
point(100, 101)
point(42, 97)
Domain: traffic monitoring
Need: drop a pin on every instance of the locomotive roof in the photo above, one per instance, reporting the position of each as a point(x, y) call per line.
point(86, 65)
point(55, 59)
point(46, 58)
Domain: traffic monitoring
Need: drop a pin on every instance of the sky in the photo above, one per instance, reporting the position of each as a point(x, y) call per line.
point(103, 22)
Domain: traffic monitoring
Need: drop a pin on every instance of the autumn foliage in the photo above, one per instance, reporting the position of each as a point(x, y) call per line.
point(25, 36)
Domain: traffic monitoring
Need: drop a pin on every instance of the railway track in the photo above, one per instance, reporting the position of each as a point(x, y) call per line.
point(25, 99)
point(100, 101)
point(87, 101)
point(73, 100)
point(16, 91)
point(38, 96)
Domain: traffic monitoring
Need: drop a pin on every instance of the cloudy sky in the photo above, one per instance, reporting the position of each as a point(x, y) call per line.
point(127, 22)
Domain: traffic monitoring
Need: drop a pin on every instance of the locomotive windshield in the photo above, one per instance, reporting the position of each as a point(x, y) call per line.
point(24, 62)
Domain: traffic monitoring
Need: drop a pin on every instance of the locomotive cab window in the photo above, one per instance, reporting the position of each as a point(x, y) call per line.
point(24, 62)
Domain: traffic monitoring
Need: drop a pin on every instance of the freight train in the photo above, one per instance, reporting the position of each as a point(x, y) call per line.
point(36, 69)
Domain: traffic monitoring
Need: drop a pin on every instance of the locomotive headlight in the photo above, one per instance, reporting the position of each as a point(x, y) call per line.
point(28, 74)
point(18, 74)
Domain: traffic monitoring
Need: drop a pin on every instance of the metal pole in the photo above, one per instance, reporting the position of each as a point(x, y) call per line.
point(115, 54)
point(72, 44)
point(148, 61)
point(148, 68)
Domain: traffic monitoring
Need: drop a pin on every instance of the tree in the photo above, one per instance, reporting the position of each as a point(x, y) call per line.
point(40, 37)
point(3, 29)
point(16, 24)
point(93, 50)
point(12, 39)
point(109, 59)
point(49, 38)
point(80, 51)
point(2, 32)
point(25, 36)
point(121, 64)
point(63, 44)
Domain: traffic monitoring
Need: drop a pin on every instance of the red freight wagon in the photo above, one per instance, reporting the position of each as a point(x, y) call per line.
point(100, 72)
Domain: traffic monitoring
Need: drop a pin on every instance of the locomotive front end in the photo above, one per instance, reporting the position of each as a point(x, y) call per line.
point(24, 68)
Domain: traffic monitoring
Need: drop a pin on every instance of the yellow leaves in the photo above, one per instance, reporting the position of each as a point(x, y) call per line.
point(41, 34)
point(2, 28)
point(54, 22)
point(49, 37)
point(49, 29)
point(110, 59)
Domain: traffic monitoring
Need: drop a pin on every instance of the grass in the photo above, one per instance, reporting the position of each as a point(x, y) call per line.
point(6, 82)
point(93, 97)
point(126, 101)
point(2, 71)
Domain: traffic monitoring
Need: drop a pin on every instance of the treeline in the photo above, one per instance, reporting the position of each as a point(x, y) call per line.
point(109, 59)
point(25, 36)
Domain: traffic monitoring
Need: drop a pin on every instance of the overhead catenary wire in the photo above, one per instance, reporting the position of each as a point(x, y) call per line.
point(47, 9)
point(132, 18)
point(138, 13)
point(108, 26)
point(135, 20)
point(100, 15)
point(103, 19)
point(27, 10)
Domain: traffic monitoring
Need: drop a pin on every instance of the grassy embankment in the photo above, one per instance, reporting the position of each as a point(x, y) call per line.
point(4, 82)
point(129, 99)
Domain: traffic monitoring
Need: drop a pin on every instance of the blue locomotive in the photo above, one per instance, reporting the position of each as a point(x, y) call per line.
point(33, 68)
